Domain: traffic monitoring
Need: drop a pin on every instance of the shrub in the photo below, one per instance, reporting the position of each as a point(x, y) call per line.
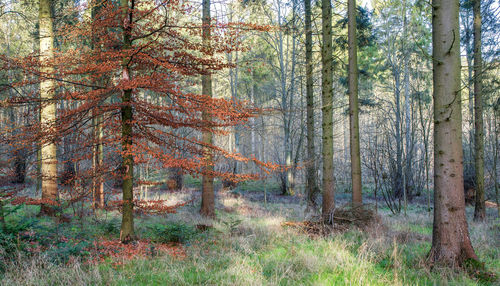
point(109, 228)
point(174, 232)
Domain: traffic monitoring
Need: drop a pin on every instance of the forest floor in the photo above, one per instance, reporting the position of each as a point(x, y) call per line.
point(248, 244)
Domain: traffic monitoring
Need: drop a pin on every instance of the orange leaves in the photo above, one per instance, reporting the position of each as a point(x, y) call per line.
point(121, 253)
point(164, 63)
point(30, 201)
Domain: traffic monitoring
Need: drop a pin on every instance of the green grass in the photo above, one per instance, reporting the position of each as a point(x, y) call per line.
point(256, 250)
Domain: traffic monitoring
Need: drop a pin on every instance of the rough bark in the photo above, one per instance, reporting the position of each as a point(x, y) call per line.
point(327, 110)
point(480, 208)
point(48, 108)
point(353, 105)
point(312, 188)
point(127, 228)
point(450, 236)
point(207, 187)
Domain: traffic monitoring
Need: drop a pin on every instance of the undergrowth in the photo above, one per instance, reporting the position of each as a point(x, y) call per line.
point(238, 249)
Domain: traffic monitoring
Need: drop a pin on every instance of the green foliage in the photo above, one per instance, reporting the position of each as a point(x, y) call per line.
point(192, 182)
point(232, 224)
point(172, 232)
point(109, 227)
point(63, 251)
point(478, 270)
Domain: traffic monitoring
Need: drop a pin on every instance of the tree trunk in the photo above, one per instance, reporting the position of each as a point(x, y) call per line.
point(207, 187)
point(327, 111)
point(97, 121)
point(450, 235)
point(398, 180)
point(407, 176)
point(480, 208)
point(353, 105)
point(127, 227)
point(97, 160)
point(48, 108)
point(312, 189)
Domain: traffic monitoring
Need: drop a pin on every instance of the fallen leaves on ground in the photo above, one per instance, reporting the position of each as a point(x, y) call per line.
point(120, 253)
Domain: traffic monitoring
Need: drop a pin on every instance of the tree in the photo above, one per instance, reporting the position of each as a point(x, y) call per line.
point(47, 109)
point(311, 183)
point(115, 64)
point(207, 187)
point(283, 62)
point(127, 227)
point(97, 123)
point(327, 110)
point(353, 105)
point(480, 208)
point(450, 235)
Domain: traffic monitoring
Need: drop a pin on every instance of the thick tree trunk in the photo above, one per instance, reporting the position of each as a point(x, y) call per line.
point(207, 187)
point(450, 236)
point(353, 105)
point(327, 111)
point(312, 189)
point(127, 227)
point(48, 108)
point(480, 208)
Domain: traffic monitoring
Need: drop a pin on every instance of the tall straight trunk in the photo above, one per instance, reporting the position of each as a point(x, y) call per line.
point(207, 187)
point(327, 110)
point(398, 182)
point(97, 121)
point(353, 105)
point(127, 228)
point(48, 108)
point(480, 208)
point(312, 188)
point(407, 176)
point(450, 235)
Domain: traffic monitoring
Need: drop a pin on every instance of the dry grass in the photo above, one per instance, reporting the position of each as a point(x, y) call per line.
point(248, 246)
